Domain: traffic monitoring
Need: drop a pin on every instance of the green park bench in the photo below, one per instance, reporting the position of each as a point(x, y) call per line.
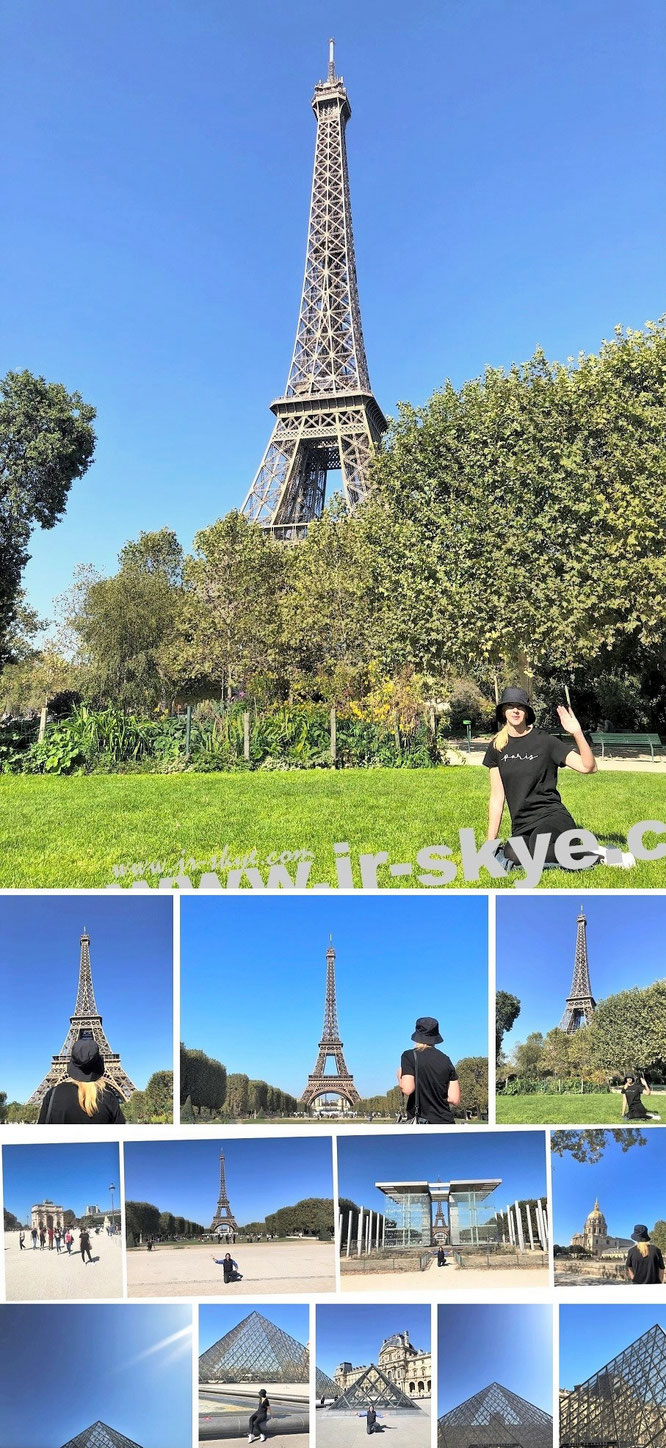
point(627, 741)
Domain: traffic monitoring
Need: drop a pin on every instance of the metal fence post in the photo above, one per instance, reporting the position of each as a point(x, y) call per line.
point(246, 734)
point(188, 729)
point(42, 725)
point(334, 736)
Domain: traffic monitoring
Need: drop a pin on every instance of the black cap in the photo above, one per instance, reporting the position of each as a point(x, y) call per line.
point(86, 1062)
point(427, 1031)
point(640, 1233)
point(519, 699)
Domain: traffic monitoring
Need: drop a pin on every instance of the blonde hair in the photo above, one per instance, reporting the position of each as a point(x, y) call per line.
point(422, 1046)
point(502, 737)
point(643, 1248)
point(89, 1092)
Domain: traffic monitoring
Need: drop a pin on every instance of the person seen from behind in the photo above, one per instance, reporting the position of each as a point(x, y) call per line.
point(428, 1078)
point(645, 1263)
point(85, 1095)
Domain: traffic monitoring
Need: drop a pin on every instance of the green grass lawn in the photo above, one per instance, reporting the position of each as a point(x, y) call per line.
point(73, 831)
point(569, 1110)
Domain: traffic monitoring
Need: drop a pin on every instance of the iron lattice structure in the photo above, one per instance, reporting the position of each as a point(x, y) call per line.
point(341, 1082)
point(325, 1387)
point(255, 1349)
point(86, 1021)
point(495, 1418)
point(624, 1404)
point(581, 1005)
point(224, 1221)
point(328, 417)
point(99, 1435)
point(373, 1387)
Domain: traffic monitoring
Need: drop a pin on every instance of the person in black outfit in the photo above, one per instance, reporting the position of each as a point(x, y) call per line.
point(84, 1243)
point(438, 1087)
point(632, 1091)
point(441, 1257)
point(645, 1263)
point(523, 762)
point(259, 1418)
point(85, 1095)
point(230, 1271)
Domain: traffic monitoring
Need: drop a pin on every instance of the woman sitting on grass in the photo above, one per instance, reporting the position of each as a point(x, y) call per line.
point(632, 1105)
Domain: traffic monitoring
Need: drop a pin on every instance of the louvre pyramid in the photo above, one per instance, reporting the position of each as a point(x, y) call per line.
point(325, 1387)
point(255, 1349)
point(100, 1436)
point(373, 1387)
point(496, 1417)
point(624, 1402)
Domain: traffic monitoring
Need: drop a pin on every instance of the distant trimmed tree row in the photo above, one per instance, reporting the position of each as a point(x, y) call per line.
point(313, 1217)
point(143, 1220)
point(207, 1090)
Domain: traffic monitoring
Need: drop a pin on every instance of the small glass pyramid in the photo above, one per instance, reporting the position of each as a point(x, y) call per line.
point(373, 1387)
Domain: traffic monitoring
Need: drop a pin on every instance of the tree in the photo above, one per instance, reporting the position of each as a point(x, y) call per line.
point(123, 624)
point(528, 1055)
point(556, 1055)
point(590, 1145)
point(11, 1223)
point(473, 1077)
point(507, 1010)
point(46, 441)
point(142, 1219)
point(202, 1079)
point(238, 1094)
point(628, 1030)
point(3, 1107)
point(658, 1235)
point(159, 1095)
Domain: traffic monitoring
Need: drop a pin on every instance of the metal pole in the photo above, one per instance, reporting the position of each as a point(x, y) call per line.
point(359, 1231)
point(246, 734)
point(42, 725)
point(528, 1214)
point(509, 1222)
point(519, 1228)
point(188, 729)
point(383, 1232)
point(350, 1218)
point(334, 736)
point(540, 1226)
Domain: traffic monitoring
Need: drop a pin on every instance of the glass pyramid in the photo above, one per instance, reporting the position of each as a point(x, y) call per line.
point(100, 1436)
point(325, 1387)
point(373, 1387)
point(255, 1349)
point(495, 1418)
point(624, 1403)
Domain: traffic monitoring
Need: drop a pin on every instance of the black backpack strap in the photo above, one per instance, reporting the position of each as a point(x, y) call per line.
point(49, 1109)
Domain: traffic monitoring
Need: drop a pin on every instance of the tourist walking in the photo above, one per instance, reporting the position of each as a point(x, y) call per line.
point(58, 1239)
point(85, 1094)
point(259, 1419)
point(21, 1241)
point(50, 1232)
point(523, 762)
point(428, 1078)
point(230, 1271)
point(632, 1105)
point(33, 1234)
point(645, 1263)
point(42, 1239)
point(69, 1238)
point(84, 1244)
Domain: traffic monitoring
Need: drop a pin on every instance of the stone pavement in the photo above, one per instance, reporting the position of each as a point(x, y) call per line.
point(55, 1276)
point(441, 1280)
point(400, 1430)
point(305, 1266)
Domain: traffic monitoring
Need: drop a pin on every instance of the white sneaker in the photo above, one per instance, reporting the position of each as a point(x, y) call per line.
point(262, 1437)
point(625, 861)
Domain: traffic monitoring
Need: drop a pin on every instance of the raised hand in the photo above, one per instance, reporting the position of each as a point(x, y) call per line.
point(568, 719)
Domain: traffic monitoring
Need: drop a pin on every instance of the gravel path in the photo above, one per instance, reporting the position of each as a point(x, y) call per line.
point(266, 1267)
point(32, 1276)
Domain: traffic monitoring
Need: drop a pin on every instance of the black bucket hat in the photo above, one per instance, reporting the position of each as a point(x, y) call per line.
point(86, 1062)
point(427, 1031)
point(640, 1233)
point(520, 700)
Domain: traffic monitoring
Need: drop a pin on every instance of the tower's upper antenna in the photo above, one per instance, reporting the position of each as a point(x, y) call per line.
point(331, 60)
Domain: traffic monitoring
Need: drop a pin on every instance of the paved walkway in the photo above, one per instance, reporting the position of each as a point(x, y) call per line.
point(306, 1266)
point(401, 1430)
point(631, 760)
point(33, 1276)
point(441, 1280)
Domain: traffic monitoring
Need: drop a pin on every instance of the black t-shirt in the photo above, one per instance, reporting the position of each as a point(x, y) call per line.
point(635, 1108)
point(528, 768)
point(645, 1269)
point(435, 1072)
point(66, 1109)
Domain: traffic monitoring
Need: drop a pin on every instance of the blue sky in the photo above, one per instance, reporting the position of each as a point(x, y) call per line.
point(395, 960)
point(505, 162)
point(354, 1332)
point(508, 1345)
point(129, 1365)
point(262, 1174)
point(591, 1336)
point(629, 1185)
point(131, 960)
point(215, 1320)
point(73, 1176)
point(517, 1157)
point(536, 946)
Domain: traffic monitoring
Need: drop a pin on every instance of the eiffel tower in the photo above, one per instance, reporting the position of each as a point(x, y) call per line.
point(340, 1083)
point(328, 417)
point(224, 1221)
point(86, 1021)
point(581, 1004)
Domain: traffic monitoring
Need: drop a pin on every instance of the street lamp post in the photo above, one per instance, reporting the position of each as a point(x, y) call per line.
point(113, 1225)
